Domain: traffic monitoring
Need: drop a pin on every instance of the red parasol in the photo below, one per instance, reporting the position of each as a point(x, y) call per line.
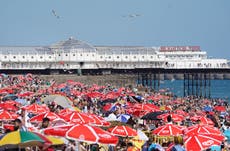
point(92, 134)
point(7, 116)
point(35, 108)
point(168, 130)
point(220, 108)
point(123, 131)
point(206, 121)
point(202, 141)
point(8, 107)
point(77, 117)
point(28, 93)
point(94, 94)
point(52, 116)
point(57, 130)
point(99, 121)
point(175, 117)
point(201, 129)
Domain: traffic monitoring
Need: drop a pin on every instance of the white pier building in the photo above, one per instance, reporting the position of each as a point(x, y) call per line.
point(74, 54)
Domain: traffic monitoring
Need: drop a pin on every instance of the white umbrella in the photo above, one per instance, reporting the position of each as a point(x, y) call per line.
point(111, 117)
point(142, 135)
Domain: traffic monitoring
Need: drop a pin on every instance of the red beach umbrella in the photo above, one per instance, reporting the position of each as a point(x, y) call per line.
point(220, 108)
point(91, 134)
point(168, 130)
point(7, 116)
point(57, 130)
point(8, 107)
point(35, 108)
point(181, 112)
point(28, 93)
point(206, 121)
point(78, 118)
point(11, 102)
point(123, 131)
point(202, 141)
point(65, 111)
point(94, 94)
point(99, 121)
point(202, 129)
point(52, 116)
point(175, 117)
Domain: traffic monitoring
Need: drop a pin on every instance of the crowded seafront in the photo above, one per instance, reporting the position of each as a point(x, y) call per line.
point(39, 114)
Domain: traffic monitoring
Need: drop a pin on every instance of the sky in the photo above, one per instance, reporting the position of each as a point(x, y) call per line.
point(204, 23)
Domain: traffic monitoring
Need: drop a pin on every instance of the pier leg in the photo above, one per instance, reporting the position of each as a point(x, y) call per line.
point(184, 85)
point(205, 80)
point(159, 79)
point(192, 84)
point(154, 80)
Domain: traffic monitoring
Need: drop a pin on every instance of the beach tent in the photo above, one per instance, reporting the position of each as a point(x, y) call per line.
point(58, 99)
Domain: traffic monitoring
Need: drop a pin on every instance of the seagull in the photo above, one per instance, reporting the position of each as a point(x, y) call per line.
point(55, 14)
point(132, 15)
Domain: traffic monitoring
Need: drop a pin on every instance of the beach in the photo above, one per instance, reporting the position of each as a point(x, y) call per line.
point(85, 115)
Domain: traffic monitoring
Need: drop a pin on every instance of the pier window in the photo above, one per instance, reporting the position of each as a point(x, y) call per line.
point(126, 57)
point(74, 54)
point(59, 55)
point(41, 57)
point(101, 57)
point(66, 55)
point(117, 57)
point(151, 57)
point(23, 57)
point(14, 57)
point(32, 57)
point(49, 57)
point(80, 54)
point(5, 57)
point(109, 57)
point(134, 57)
point(143, 57)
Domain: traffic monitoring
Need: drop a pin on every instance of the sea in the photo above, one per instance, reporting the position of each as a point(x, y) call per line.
point(219, 88)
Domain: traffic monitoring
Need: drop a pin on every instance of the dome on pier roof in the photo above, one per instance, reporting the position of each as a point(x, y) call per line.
point(72, 43)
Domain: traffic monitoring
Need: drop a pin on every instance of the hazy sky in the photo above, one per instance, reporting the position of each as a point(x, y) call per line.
point(106, 22)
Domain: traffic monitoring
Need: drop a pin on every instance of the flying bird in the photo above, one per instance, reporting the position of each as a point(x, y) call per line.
point(55, 14)
point(132, 15)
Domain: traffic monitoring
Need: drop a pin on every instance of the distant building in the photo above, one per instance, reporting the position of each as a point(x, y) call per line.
point(74, 54)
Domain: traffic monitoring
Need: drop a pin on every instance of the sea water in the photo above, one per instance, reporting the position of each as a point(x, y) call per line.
point(219, 88)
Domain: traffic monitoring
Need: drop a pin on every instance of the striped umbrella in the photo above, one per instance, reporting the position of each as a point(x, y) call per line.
point(22, 139)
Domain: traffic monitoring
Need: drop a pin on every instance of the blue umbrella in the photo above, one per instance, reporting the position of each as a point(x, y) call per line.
point(227, 134)
point(123, 118)
point(215, 148)
point(156, 146)
point(10, 97)
point(207, 108)
point(21, 101)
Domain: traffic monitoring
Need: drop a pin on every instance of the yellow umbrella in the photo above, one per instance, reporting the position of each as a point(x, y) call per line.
point(137, 142)
point(76, 109)
point(55, 140)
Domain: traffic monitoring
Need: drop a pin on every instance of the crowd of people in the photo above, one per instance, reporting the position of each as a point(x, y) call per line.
point(111, 103)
